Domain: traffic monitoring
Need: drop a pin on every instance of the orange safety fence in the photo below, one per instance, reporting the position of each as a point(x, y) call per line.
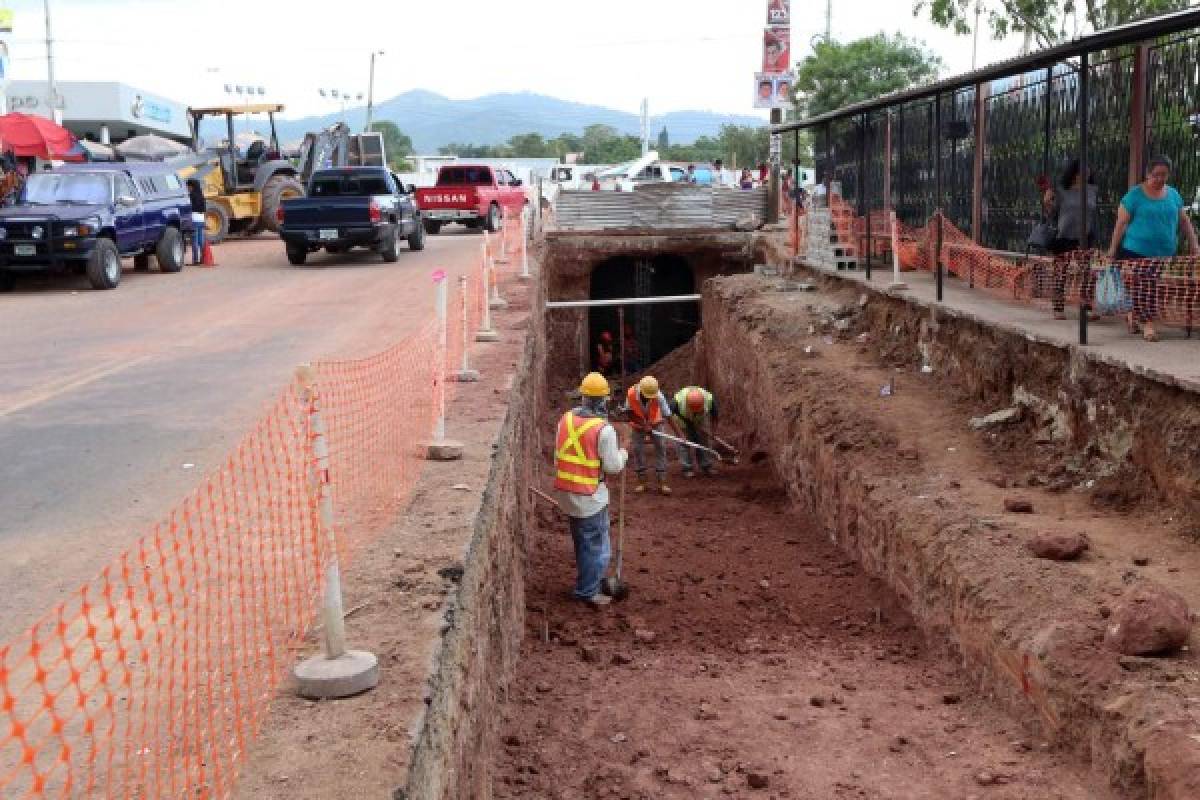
point(150, 680)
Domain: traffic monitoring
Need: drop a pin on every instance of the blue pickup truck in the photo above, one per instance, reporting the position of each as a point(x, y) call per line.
point(351, 207)
point(85, 218)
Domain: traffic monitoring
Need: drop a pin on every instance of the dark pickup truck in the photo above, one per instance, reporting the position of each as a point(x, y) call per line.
point(351, 207)
point(84, 218)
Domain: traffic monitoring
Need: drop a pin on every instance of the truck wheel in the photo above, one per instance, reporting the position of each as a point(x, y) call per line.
point(391, 244)
point(104, 265)
point(141, 262)
point(416, 239)
point(432, 226)
point(8, 281)
point(216, 224)
point(170, 251)
point(297, 255)
point(277, 189)
point(493, 219)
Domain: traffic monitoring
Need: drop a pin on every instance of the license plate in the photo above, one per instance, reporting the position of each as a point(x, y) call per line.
point(25, 250)
point(327, 233)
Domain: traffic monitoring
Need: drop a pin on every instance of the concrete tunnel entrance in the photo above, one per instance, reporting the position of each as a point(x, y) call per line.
point(651, 331)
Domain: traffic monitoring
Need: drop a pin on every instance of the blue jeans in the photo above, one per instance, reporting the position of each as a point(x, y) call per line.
point(197, 242)
point(592, 552)
point(638, 451)
point(702, 457)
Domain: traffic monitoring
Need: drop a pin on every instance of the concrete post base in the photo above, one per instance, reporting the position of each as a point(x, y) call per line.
point(497, 304)
point(321, 678)
point(465, 376)
point(444, 450)
point(488, 335)
point(897, 286)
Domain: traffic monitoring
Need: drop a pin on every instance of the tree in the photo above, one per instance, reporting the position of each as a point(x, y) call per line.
point(396, 144)
point(835, 74)
point(1046, 20)
point(664, 141)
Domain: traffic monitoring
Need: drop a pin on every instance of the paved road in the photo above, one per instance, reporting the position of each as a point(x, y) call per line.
point(106, 396)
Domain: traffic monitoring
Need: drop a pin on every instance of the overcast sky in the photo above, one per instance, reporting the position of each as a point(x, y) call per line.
point(681, 54)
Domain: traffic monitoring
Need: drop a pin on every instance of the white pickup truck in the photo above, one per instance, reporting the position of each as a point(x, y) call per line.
point(647, 169)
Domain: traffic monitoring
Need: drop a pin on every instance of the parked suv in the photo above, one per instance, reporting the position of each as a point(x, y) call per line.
point(85, 218)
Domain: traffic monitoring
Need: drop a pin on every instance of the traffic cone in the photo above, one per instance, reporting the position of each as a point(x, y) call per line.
point(208, 260)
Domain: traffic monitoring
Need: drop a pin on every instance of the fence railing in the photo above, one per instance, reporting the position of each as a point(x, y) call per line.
point(151, 680)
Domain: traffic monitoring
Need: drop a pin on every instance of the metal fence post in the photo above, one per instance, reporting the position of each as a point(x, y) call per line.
point(1085, 307)
point(466, 374)
point(486, 333)
point(441, 448)
point(337, 672)
point(937, 183)
point(525, 244)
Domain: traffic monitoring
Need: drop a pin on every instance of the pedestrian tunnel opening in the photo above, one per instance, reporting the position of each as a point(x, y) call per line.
point(651, 331)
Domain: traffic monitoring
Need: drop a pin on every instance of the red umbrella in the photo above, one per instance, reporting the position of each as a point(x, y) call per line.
point(28, 135)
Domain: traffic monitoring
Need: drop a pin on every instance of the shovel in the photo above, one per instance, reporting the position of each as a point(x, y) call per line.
point(686, 443)
point(736, 457)
point(613, 586)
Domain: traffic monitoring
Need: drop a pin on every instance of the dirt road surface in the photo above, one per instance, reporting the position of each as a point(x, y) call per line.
point(751, 659)
point(114, 404)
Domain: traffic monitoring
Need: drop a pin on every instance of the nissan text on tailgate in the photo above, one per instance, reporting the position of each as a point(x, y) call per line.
point(472, 195)
point(351, 207)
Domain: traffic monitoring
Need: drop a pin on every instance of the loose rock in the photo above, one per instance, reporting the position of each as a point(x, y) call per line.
point(996, 418)
point(1058, 546)
point(757, 780)
point(1153, 621)
point(1018, 505)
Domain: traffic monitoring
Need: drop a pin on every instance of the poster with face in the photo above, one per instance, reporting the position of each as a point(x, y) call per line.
point(779, 12)
point(764, 90)
point(783, 90)
point(777, 50)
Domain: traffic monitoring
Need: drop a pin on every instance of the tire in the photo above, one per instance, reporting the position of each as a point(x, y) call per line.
point(169, 251)
point(277, 189)
point(104, 265)
point(216, 224)
point(390, 250)
point(473, 225)
point(334, 249)
point(297, 256)
point(8, 281)
point(432, 227)
point(493, 219)
point(416, 239)
point(141, 262)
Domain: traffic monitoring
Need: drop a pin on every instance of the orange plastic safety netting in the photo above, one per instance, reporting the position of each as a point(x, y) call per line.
point(149, 681)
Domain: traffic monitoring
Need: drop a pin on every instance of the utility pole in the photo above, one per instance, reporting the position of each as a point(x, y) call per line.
point(975, 43)
point(51, 88)
point(371, 91)
point(828, 21)
point(645, 126)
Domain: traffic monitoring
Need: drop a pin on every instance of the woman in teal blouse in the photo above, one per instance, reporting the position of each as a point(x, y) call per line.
point(1148, 222)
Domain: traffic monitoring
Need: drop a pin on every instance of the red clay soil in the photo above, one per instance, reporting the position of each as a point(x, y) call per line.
point(751, 659)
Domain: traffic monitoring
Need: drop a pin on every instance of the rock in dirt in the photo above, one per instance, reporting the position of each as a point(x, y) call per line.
point(757, 780)
point(644, 636)
point(622, 659)
point(996, 418)
point(816, 701)
point(1141, 561)
point(951, 698)
point(706, 712)
point(1018, 505)
point(1153, 621)
point(589, 654)
point(1058, 546)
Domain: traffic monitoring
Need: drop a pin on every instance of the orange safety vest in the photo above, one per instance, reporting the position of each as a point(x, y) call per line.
point(577, 454)
point(643, 420)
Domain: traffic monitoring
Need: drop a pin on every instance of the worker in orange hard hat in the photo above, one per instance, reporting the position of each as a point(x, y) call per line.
point(586, 449)
point(697, 409)
point(648, 412)
point(604, 354)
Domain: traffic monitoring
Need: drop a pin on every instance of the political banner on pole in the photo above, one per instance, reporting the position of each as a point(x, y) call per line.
point(777, 50)
point(779, 12)
point(773, 91)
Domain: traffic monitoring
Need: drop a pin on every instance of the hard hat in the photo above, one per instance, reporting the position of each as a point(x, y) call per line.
point(648, 386)
point(594, 385)
point(695, 400)
point(606, 336)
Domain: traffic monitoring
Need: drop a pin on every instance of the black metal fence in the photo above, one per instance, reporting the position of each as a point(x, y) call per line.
point(1031, 130)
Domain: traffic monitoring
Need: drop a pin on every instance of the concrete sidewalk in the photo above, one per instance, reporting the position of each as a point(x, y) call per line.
point(1174, 361)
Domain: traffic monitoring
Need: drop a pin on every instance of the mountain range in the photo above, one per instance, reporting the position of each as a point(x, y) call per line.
point(433, 121)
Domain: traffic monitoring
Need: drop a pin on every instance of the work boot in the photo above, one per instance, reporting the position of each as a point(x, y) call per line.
point(687, 473)
point(663, 489)
point(641, 487)
point(599, 600)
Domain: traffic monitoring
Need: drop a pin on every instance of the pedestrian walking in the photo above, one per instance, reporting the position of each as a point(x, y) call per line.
point(697, 408)
point(691, 173)
point(747, 179)
point(604, 354)
point(649, 411)
point(1066, 217)
point(199, 209)
point(1149, 219)
point(586, 449)
point(718, 173)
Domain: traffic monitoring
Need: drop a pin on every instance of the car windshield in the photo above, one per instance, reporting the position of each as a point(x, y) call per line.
point(348, 185)
point(47, 188)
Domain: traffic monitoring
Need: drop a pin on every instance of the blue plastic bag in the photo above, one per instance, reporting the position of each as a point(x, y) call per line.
point(1111, 295)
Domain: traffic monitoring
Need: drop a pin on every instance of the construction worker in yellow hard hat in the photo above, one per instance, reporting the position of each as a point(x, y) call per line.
point(649, 411)
point(697, 408)
point(585, 450)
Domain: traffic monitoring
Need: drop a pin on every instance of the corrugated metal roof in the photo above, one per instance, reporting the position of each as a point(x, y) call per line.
point(658, 206)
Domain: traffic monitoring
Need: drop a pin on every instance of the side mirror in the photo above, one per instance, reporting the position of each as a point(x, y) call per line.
point(410, 188)
point(516, 182)
point(128, 201)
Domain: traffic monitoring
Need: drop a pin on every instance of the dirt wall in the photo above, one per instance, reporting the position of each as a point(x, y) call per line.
point(454, 750)
point(1032, 641)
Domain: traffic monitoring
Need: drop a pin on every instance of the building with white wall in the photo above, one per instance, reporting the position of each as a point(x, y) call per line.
point(104, 111)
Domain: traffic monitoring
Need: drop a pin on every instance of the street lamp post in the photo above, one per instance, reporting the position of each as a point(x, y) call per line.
point(51, 88)
point(371, 91)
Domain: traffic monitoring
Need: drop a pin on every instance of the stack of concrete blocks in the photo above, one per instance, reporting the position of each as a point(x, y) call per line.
point(830, 238)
